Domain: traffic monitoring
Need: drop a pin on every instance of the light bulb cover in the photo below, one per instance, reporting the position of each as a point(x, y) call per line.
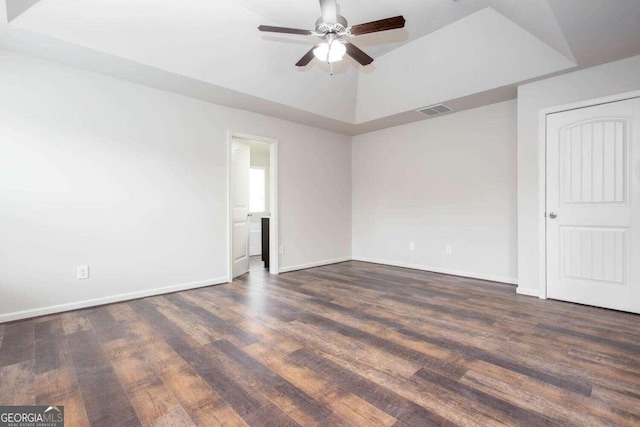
point(336, 51)
point(332, 51)
point(322, 52)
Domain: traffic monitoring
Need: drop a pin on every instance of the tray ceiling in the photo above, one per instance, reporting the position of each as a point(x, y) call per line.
point(464, 52)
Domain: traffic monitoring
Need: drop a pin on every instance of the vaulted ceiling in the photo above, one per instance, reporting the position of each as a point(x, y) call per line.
point(461, 52)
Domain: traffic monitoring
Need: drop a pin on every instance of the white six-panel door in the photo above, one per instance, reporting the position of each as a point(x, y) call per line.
point(593, 205)
point(240, 169)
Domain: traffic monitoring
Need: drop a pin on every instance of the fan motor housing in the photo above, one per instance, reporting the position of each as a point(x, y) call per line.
point(339, 27)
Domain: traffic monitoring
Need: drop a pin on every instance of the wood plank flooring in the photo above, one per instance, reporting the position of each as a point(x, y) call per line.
point(350, 344)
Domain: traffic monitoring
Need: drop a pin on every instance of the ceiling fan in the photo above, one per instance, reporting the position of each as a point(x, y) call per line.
point(332, 29)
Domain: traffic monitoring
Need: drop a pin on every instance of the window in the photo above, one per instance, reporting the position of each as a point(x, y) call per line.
point(257, 190)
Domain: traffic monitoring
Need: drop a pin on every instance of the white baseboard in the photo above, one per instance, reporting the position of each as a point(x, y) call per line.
point(529, 292)
point(314, 264)
point(501, 279)
point(43, 311)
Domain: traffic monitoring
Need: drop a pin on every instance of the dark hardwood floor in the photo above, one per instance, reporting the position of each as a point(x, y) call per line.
point(347, 344)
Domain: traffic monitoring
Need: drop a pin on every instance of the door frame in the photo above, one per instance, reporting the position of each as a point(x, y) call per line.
point(274, 265)
point(542, 173)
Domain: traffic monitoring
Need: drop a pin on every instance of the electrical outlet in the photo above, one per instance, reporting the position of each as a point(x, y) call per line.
point(83, 272)
point(412, 246)
point(281, 250)
point(448, 250)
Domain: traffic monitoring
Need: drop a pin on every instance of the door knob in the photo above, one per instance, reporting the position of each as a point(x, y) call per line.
point(552, 215)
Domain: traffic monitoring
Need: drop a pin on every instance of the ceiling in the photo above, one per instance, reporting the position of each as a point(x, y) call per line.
point(464, 53)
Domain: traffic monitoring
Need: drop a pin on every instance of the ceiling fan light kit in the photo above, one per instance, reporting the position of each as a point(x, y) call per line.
point(332, 29)
point(331, 51)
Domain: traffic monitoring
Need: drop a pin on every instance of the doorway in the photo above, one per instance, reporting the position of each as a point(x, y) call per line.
point(252, 162)
point(593, 205)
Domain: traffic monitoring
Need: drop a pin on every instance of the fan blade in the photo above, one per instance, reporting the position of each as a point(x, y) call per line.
point(381, 25)
point(285, 30)
point(329, 10)
point(306, 58)
point(357, 54)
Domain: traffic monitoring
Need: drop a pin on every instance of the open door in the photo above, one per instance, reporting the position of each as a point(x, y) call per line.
point(240, 165)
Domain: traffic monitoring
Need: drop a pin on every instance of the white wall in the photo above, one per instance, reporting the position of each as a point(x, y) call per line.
point(132, 181)
point(260, 158)
point(446, 181)
point(608, 79)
